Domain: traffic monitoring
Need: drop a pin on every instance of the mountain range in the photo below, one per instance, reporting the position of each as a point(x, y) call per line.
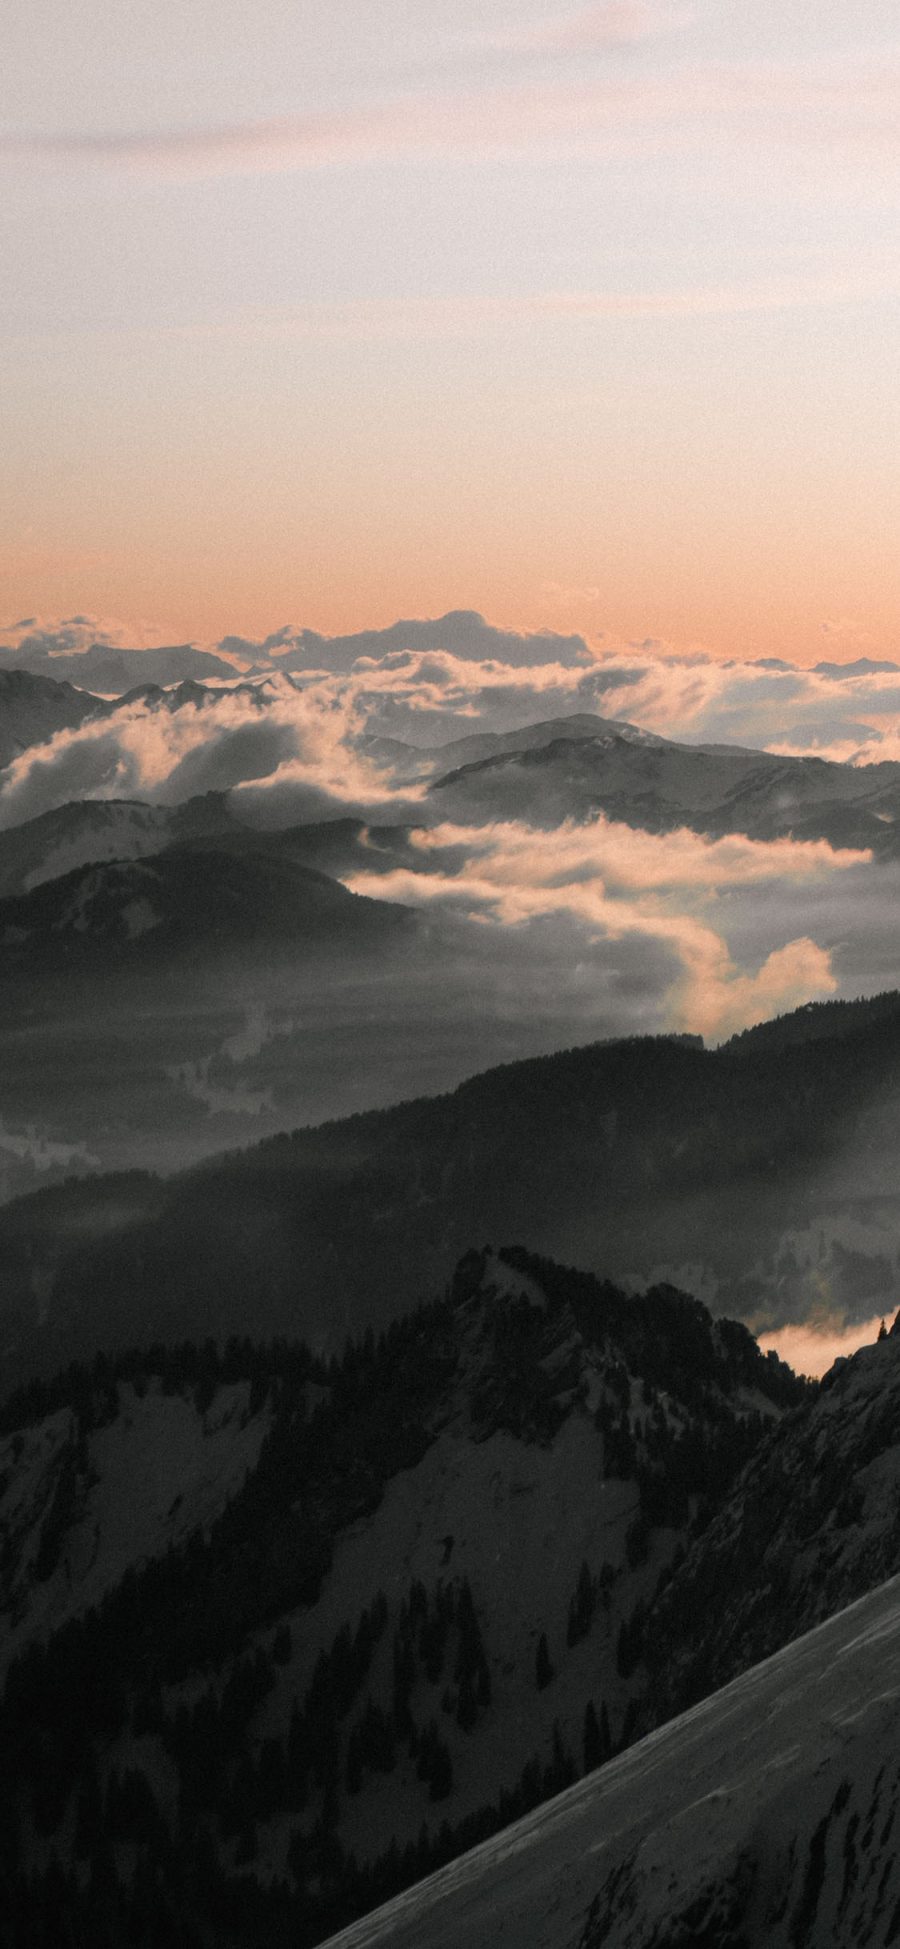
point(328, 1603)
point(33, 708)
point(209, 883)
point(763, 1812)
point(113, 670)
point(546, 772)
point(571, 767)
point(759, 1173)
point(660, 786)
point(339, 1546)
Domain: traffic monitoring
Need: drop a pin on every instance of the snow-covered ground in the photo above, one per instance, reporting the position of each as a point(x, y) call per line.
point(154, 1475)
point(765, 1815)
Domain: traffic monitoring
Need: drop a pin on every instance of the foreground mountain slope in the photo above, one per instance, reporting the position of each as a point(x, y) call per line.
point(429, 1607)
point(78, 1509)
point(755, 1174)
point(764, 1818)
point(341, 1619)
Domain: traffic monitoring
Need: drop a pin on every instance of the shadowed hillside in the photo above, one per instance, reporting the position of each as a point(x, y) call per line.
point(285, 1633)
point(653, 1158)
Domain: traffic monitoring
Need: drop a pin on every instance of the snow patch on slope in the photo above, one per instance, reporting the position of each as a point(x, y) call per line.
point(767, 1809)
point(155, 1474)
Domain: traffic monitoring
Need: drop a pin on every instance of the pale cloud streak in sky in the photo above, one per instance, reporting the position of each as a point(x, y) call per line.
point(586, 30)
point(849, 278)
point(834, 110)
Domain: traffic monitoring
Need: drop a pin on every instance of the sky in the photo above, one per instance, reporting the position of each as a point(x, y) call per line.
point(584, 317)
point(812, 1347)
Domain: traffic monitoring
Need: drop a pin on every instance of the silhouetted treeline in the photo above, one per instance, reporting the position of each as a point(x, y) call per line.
point(594, 1150)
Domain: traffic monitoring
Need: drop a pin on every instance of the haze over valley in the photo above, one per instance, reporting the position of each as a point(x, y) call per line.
point(302, 915)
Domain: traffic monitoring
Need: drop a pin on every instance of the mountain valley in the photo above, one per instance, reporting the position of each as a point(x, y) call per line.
point(334, 1542)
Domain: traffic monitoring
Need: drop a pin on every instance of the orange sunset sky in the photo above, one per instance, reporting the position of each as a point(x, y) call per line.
point(578, 316)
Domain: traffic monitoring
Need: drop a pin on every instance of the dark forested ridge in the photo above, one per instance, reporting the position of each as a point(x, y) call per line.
point(254, 1728)
point(182, 906)
point(814, 1521)
point(470, 1560)
point(627, 1157)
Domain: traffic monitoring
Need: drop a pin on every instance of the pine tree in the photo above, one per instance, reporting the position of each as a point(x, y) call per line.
point(592, 1746)
point(281, 1645)
point(467, 1707)
point(441, 1781)
point(581, 1609)
point(543, 1670)
point(89, 1814)
point(606, 1744)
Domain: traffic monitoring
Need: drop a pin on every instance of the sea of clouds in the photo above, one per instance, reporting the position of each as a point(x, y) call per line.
point(533, 936)
point(303, 726)
point(430, 680)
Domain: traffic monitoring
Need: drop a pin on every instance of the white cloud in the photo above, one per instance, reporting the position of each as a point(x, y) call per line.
point(616, 881)
point(428, 682)
point(214, 1080)
point(151, 751)
point(30, 1146)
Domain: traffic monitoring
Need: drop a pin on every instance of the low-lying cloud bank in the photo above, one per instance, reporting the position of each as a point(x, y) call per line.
point(615, 881)
point(308, 727)
point(429, 679)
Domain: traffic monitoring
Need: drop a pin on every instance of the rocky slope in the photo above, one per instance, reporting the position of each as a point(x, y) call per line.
point(764, 1818)
point(33, 708)
point(814, 1520)
point(88, 831)
point(400, 1601)
point(765, 1814)
point(340, 1620)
